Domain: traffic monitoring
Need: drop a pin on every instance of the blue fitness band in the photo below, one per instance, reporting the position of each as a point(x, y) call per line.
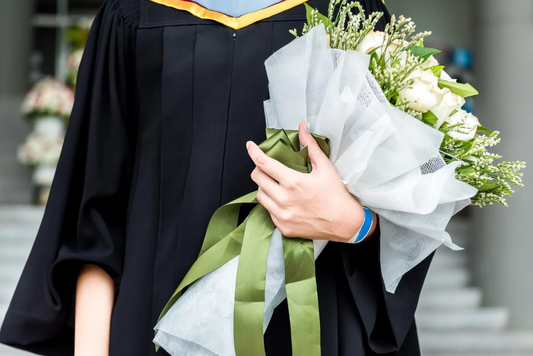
point(365, 228)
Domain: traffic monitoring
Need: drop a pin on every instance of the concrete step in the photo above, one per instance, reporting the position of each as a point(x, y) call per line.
point(18, 236)
point(445, 259)
point(6, 294)
point(453, 277)
point(460, 298)
point(468, 319)
point(20, 221)
point(9, 351)
point(486, 343)
point(9, 275)
point(18, 228)
point(3, 310)
point(16, 212)
point(14, 253)
point(459, 230)
point(17, 233)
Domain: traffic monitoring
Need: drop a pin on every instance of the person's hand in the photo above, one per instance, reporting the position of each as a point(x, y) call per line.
point(311, 206)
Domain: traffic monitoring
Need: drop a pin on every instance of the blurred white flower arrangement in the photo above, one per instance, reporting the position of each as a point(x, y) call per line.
point(48, 97)
point(40, 150)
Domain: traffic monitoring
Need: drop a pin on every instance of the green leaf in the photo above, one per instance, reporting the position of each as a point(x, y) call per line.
point(488, 186)
point(466, 170)
point(423, 52)
point(394, 97)
point(484, 130)
point(461, 89)
point(420, 43)
point(430, 118)
point(373, 56)
point(467, 145)
point(437, 70)
point(310, 11)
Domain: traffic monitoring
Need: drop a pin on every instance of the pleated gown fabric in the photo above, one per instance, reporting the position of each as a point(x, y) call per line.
point(164, 106)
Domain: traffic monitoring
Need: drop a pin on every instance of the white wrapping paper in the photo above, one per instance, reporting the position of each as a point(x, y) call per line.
point(388, 160)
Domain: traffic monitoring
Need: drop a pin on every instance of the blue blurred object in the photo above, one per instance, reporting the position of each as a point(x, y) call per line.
point(469, 105)
point(461, 68)
point(462, 57)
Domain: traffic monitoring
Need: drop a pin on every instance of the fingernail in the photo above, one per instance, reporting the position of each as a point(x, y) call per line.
point(248, 145)
point(305, 127)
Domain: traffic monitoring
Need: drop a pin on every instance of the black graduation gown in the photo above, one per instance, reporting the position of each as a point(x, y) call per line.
point(164, 106)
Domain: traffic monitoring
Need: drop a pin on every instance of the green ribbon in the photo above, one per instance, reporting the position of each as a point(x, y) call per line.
point(225, 239)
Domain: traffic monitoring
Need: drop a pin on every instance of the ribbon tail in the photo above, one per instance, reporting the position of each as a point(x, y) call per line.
point(302, 296)
point(250, 286)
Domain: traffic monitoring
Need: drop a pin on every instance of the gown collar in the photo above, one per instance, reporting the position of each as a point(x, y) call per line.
point(235, 14)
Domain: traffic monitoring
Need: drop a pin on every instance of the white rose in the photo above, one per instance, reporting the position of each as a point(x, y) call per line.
point(430, 62)
point(375, 40)
point(467, 128)
point(449, 103)
point(372, 40)
point(446, 76)
point(424, 94)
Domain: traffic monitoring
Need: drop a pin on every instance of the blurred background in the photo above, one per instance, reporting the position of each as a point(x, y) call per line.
point(478, 302)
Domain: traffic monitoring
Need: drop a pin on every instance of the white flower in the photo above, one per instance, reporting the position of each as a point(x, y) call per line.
point(429, 63)
point(372, 40)
point(48, 97)
point(40, 150)
point(375, 40)
point(450, 102)
point(424, 94)
point(445, 76)
point(467, 125)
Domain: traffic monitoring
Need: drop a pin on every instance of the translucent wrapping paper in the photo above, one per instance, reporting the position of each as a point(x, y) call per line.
point(388, 160)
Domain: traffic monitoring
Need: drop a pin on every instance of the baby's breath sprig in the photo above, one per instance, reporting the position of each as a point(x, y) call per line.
point(346, 23)
point(479, 169)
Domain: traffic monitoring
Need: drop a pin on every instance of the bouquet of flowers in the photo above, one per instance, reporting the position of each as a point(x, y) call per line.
point(399, 141)
point(49, 97)
point(40, 150)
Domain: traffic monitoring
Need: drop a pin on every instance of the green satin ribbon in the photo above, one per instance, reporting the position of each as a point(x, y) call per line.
point(225, 239)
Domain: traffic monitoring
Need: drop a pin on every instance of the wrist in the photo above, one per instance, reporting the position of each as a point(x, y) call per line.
point(366, 229)
point(358, 227)
point(351, 222)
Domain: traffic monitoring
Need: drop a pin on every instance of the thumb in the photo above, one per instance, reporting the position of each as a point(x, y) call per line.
point(316, 156)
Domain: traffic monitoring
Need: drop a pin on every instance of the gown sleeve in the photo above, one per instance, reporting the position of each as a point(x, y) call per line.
point(85, 218)
point(388, 319)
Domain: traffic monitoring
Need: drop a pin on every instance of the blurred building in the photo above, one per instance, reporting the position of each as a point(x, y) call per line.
point(485, 41)
point(34, 38)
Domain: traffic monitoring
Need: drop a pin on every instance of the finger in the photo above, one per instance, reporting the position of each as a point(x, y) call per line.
point(276, 222)
point(268, 185)
point(267, 202)
point(282, 228)
point(270, 166)
point(316, 155)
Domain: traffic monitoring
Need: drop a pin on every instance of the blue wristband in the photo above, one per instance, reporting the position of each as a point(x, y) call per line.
point(365, 228)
